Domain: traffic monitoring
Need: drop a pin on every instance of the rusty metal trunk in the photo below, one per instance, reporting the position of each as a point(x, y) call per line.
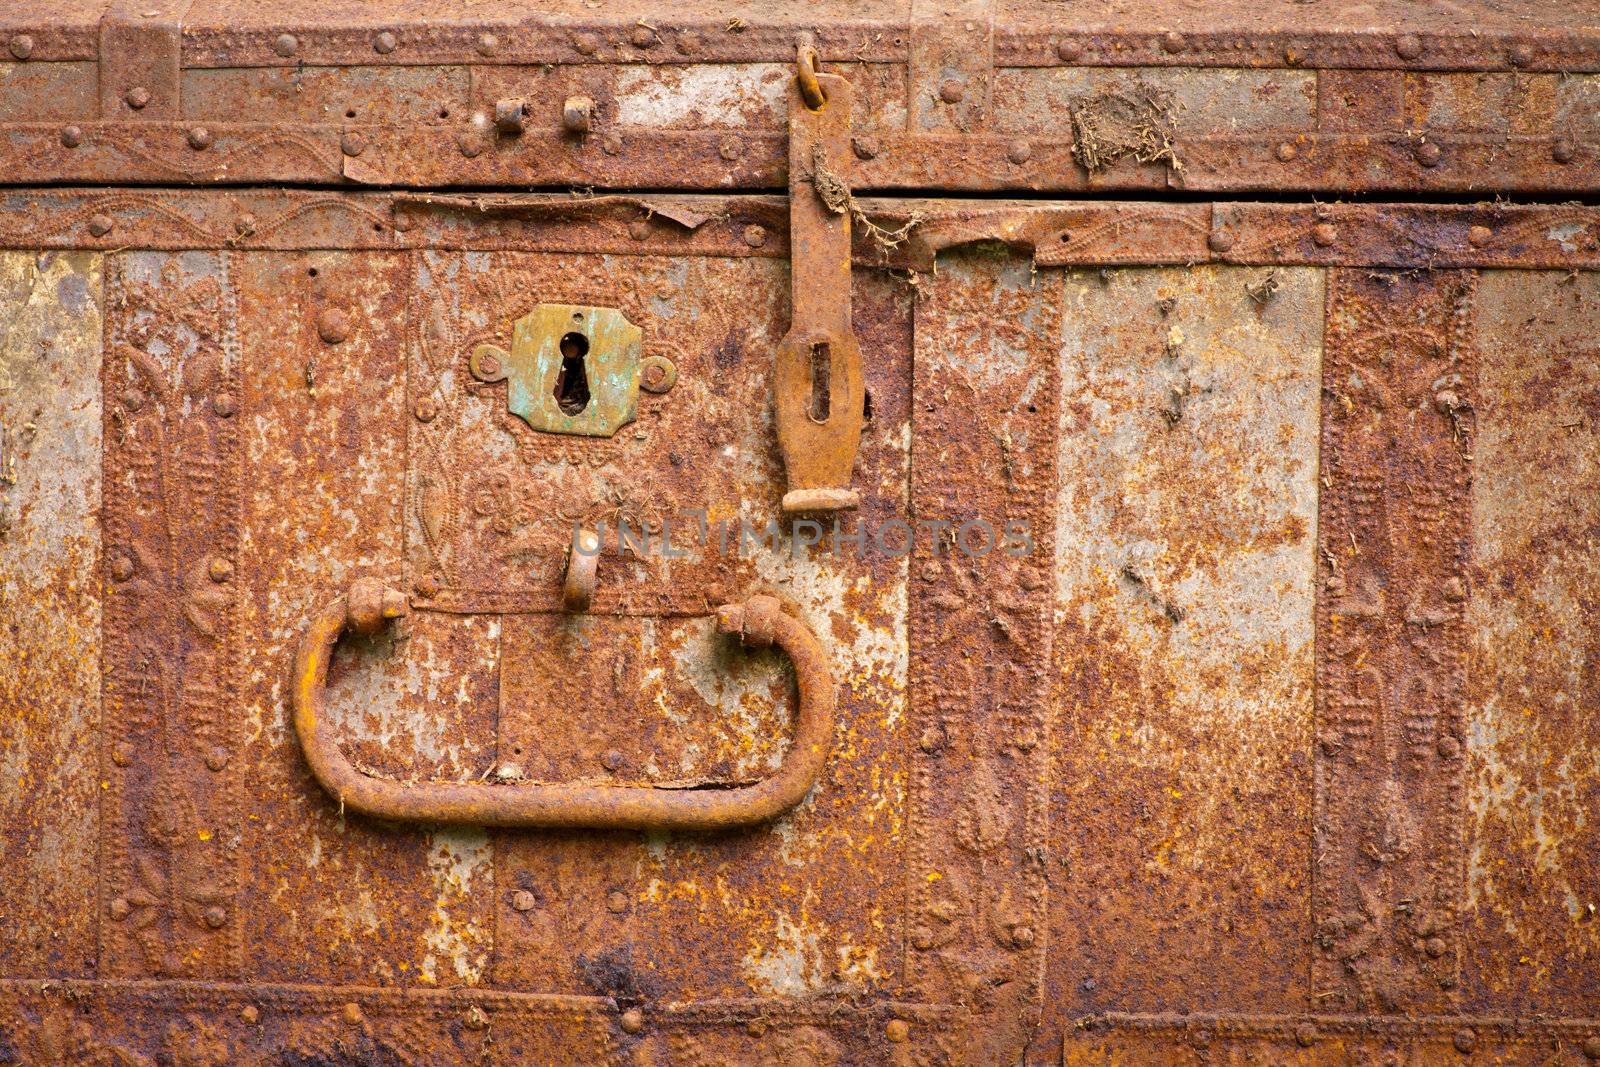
point(972, 533)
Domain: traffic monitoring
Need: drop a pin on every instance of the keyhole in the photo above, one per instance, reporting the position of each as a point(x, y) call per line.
point(821, 372)
point(572, 383)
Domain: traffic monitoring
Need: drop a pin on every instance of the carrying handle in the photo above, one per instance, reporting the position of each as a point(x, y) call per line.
point(368, 606)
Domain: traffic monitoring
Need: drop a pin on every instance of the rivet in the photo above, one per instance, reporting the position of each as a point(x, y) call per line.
point(1305, 1035)
point(1172, 41)
point(951, 91)
point(1434, 947)
point(1408, 46)
point(1449, 747)
point(643, 37)
point(755, 236)
point(469, 144)
point(220, 570)
point(1591, 1047)
point(638, 229)
point(199, 138)
point(657, 374)
point(249, 1014)
point(71, 136)
point(132, 399)
point(612, 760)
point(922, 938)
point(401, 223)
point(632, 1021)
point(1521, 55)
point(1022, 936)
point(22, 46)
point(1563, 151)
point(1287, 152)
point(285, 45)
point(1464, 1040)
point(577, 115)
point(100, 225)
point(1069, 51)
point(245, 223)
point(216, 759)
point(1019, 152)
point(120, 909)
point(427, 587)
point(137, 97)
point(426, 409)
point(1455, 590)
point(476, 1019)
point(688, 43)
point(522, 900)
point(1428, 154)
point(611, 143)
point(487, 44)
point(897, 1030)
point(333, 325)
point(352, 143)
point(352, 1013)
point(730, 149)
point(864, 147)
point(215, 918)
point(122, 754)
point(1324, 234)
point(384, 43)
point(617, 902)
point(585, 44)
point(1201, 1040)
point(1219, 240)
point(1478, 236)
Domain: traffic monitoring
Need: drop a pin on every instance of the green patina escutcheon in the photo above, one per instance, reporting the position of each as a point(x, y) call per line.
point(611, 364)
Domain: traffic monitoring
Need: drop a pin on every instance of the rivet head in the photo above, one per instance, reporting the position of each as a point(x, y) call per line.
point(755, 236)
point(657, 374)
point(121, 567)
point(1022, 936)
point(220, 570)
point(333, 325)
point(199, 138)
point(632, 1021)
point(688, 43)
point(1324, 234)
point(223, 405)
point(384, 43)
point(22, 46)
point(1464, 1040)
point(522, 900)
point(730, 149)
point(1434, 947)
point(426, 409)
point(922, 939)
point(510, 116)
point(1286, 152)
point(1069, 51)
point(1219, 240)
point(1478, 236)
point(642, 37)
point(487, 44)
point(1305, 1035)
point(1408, 46)
point(638, 229)
point(612, 760)
point(249, 1014)
point(476, 1019)
point(611, 143)
point(951, 91)
point(427, 587)
point(585, 44)
point(1448, 747)
point(215, 918)
point(352, 1013)
point(897, 1030)
point(469, 143)
point(1591, 1047)
point(1019, 152)
point(352, 144)
point(1521, 55)
point(577, 115)
point(122, 754)
point(71, 136)
point(120, 909)
point(1563, 151)
point(864, 147)
point(1172, 41)
point(100, 225)
point(1428, 154)
point(285, 45)
point(216, 759)
point(137, 97)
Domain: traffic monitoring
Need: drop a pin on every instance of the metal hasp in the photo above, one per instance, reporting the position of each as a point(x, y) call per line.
point(818, 389)
point(759, 622)
point(571, 369)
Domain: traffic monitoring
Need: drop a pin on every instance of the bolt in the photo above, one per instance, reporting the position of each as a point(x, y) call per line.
point(352, 143)
point(1407, 46)
point(220, 570)
point(730, 149)
point(1521, 55)
point(137, 97)
point(489, 366)
point(1305, 1035)
point(1287, 152)
point(1069, 50)
point(897, 1031)
point(285, 45)
point(1219, 240)
point(951, 91)
point(352, 1013)
point(215, 918)
point(577, 115)
point(611, 143)
point(249, 1015)
point(510, 117)
point(632, 1021)
point(1324, 234)
point(384, 43)
point(487, 44)
point(477, 1019)
point(755, 236)
point(22, 46)
point(120, 909)
point(121, 568)
point(333, 325)
point(223, 405)
point(71, 136)
point(657, 374)
point(426, 409)
point(199, 138)
point(617, 902)
point(522, 900)
point(1172, 41)
point(639, 229)
point(642, 37)
point(1478, 236)
point(585, 44)
point(1464, 1040)
point(612, 760)
point(1428, 154)
point(1563, 151)
point(1591, 1047)
point(216, 759)
point(1019, 152)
